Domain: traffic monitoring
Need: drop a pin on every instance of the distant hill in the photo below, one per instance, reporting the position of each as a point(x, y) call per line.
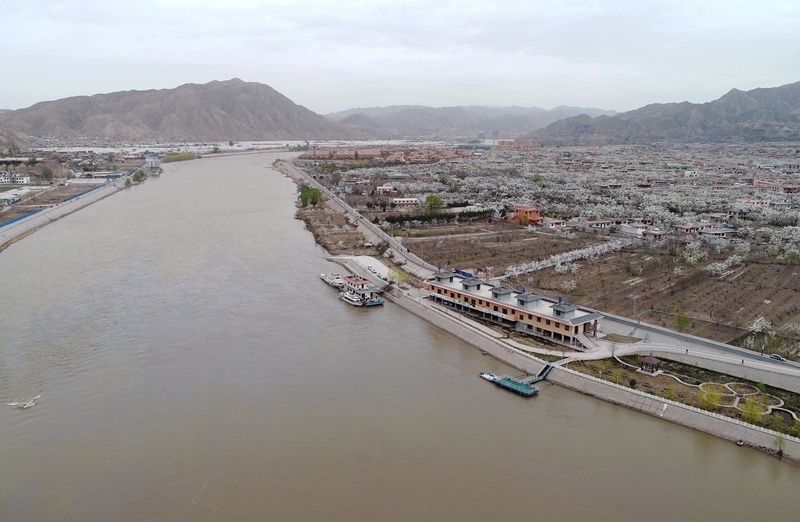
point(363, 123)
point(9, 139)
point(760, 114)
point(215, 111)
point(418, 120)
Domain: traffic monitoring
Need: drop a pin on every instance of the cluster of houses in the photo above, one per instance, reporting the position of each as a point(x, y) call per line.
point(13, 178)
point(690, 180)
point(12, 196)
point(711, 226)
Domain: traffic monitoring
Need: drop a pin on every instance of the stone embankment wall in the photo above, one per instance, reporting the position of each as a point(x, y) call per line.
point(701, 420)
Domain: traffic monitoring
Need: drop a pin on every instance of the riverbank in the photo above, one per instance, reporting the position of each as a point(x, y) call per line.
point(691, 417)
point(21, 229)
point(721, 426)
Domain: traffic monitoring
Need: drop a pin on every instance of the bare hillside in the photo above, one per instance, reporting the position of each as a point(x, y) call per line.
point(215, 111)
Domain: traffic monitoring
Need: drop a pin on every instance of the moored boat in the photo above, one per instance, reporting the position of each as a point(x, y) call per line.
point(489, 376)
point(351, 298)
point(334, 280)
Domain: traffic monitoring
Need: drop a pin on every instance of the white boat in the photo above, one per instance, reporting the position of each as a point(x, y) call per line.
point(335, 280)
point(489, 376)
point(351, 298)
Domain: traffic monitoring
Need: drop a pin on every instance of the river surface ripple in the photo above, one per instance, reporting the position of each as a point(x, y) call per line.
point(191, 366)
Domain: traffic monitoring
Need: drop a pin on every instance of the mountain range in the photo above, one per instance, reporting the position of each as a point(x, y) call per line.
point(215, 111)
point(756, 115)
point(459, 121)
point(246, 111)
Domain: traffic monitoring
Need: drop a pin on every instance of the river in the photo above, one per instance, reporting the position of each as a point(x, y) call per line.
point(192, 366)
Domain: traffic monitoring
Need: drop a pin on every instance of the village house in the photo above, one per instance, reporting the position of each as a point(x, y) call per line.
point(385, 190)
point(524, 214)
point(553, 223)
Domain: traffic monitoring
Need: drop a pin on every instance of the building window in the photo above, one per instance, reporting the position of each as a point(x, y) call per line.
point(505, 310)
point(558, 325)
point(438, 290)
point(495, 308)
point(530, 317)
point(576, 329)
point(547, 322)
point(452, 294)
point(538, 319)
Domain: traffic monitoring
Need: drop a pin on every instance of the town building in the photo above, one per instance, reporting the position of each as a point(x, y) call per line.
point(559, 322)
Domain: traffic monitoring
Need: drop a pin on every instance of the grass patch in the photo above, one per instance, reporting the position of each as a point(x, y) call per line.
point(179, 157)
point(616, 338)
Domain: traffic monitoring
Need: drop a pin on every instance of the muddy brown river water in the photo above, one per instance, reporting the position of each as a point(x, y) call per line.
point(192, 366)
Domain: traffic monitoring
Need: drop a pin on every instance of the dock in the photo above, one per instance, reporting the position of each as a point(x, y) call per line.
point(523, 385)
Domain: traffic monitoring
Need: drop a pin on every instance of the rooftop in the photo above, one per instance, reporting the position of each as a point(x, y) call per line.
point(543, 309)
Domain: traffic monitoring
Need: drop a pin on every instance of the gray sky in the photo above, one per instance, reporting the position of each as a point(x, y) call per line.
point(335, 55)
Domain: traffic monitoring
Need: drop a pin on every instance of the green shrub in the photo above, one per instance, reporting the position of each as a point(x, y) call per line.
point(633, 383)
point(179, 157)
point(709, 400)
point(752, 410)
point(683, 322)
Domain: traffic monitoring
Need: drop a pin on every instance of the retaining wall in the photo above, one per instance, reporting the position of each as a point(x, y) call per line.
point(708, 422)
point(778, 380)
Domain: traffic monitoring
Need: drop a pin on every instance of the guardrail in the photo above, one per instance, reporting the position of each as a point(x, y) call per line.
point(21, 218)
point(741, 352)
point(751, 363)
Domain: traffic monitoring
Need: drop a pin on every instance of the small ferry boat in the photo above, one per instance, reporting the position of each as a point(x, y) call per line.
point(334, 280)
point(351, 298)
point(489, 376)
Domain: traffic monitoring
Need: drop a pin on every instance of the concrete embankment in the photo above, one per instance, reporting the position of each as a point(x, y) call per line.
point(468, 335)
point(25, 227)
point(707, 422)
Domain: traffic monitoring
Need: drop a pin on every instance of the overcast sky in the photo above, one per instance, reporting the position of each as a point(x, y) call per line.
point(335, 55)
